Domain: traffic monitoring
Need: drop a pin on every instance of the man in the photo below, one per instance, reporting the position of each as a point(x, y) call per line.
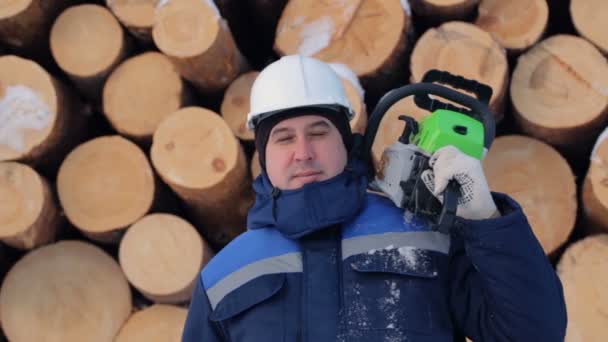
point(325, 260)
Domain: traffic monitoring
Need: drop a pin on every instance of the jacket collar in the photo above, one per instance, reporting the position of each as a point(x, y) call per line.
point(296, 213)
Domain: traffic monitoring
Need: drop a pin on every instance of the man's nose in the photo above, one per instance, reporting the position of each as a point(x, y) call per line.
point(304, 150)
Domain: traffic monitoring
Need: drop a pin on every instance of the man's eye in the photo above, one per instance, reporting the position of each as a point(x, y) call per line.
point(284, 139)
point(318, 133)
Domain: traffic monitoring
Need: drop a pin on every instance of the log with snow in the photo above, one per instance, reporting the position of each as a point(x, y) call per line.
point(371, 37)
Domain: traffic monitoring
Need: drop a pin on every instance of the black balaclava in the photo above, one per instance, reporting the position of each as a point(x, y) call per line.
point(262, 131)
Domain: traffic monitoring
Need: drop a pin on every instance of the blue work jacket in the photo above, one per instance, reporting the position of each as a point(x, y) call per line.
point(382, 276)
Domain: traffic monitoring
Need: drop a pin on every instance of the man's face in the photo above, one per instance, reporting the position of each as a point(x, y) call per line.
point(302, 150)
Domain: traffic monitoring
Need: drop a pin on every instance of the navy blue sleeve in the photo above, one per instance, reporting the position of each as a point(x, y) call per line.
point(503, 287)
point(198, 327)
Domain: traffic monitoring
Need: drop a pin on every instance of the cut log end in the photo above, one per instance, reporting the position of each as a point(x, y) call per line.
point(21, 199)
point(70, 291)
point(358, 123)
point(157, 323)
point(193, 50)
point(589, 18)
point(196, 153)
point(9, 9)
point(173, 33)
point(195, 149)
point(540, 180)
point(105, 185)
point(582, 271)
point(162, 255)
point(25, 25)
point(559, 90)
point(595, 190)
point(235, 105)
point(134, 13)
point(86, 40)
point(255, 166)
point(516, 25)
point(29, 106)
point(28, 214)
point(360, 34)
point(356, 96)
point(466, 50)
point(140, 93)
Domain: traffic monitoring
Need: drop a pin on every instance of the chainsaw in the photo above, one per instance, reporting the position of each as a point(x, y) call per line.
point(470, 128)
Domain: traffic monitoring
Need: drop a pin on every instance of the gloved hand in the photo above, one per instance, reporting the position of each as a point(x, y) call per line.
point(475, 202)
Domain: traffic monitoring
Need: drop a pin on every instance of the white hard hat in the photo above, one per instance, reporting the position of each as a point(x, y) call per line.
point(297, 82)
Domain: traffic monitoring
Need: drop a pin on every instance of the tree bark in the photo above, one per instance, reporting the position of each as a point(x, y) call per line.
point(25, 24)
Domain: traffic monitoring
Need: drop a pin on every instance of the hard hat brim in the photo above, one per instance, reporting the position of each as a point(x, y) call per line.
point(308, 109)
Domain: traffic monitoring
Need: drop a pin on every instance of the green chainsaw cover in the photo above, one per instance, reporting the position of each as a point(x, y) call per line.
point(445, 127)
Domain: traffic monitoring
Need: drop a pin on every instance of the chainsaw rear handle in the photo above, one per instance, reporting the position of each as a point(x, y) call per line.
point(390, 98)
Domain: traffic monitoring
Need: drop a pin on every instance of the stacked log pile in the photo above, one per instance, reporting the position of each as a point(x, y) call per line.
point(125, 163)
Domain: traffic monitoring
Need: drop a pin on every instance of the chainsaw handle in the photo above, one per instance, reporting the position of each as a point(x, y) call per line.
point(397, 94)
point(482, 91)
point(447, 216)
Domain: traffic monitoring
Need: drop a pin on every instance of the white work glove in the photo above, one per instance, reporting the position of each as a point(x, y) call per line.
point(447, 163)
